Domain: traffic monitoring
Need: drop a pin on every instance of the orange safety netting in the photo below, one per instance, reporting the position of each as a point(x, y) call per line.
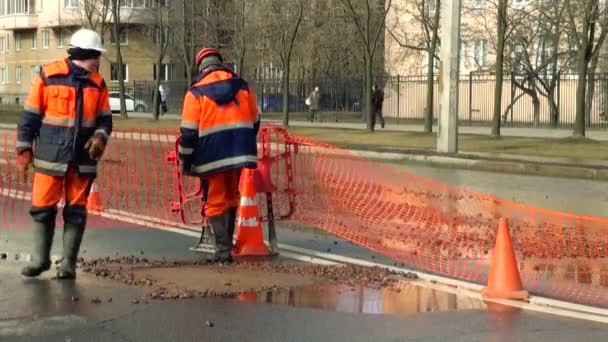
point(422, 223)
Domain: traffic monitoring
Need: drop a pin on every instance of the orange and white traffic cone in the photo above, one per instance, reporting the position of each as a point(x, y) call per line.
point(504, 281)
point(249, 240)
point(94, 199)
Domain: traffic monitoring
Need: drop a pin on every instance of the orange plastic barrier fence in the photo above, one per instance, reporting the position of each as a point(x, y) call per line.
point(422, 223)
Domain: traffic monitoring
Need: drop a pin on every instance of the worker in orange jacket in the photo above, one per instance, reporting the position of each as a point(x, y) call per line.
point(64, 130)
point(219, 129)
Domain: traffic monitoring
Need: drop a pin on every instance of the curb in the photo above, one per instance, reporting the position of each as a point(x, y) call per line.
point(480, 163)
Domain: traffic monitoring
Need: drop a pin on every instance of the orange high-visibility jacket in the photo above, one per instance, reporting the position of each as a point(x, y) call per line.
point(219, 126)
point(64, 108)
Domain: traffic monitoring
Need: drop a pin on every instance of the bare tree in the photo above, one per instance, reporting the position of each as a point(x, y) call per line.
point(96, 15)
point(502, 24)
point(285, 24)
point(240, 34)
point(158, 30)
point(498, 20)
point(588, 29)
point(370, 23)
point(534, 58)
point(116, 29)
point(425, 15)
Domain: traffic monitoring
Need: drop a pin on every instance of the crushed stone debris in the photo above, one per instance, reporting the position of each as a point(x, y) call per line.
point(122, 270)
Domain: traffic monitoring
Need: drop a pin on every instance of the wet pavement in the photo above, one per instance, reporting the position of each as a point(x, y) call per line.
point(577, 196)
point(47, 310)
point(402, 298)
point(215, 319)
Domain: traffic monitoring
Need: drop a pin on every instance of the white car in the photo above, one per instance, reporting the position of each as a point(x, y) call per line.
point(131, 103)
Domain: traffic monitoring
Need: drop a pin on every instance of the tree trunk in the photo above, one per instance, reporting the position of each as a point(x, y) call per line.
point(428, 115)
point(590, 89)
point(579, 124)
point(536, 106)
point(286, 94)
point(155, 97)
point(553, 109)
point(368, 93)
point(502, 12)
point(430, 78)
point(121, 77)
point(589, 99)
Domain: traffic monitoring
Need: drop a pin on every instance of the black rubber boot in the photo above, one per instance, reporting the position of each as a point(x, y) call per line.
point(223, 239)
point(43, 239)
point(72, 238)
point(231, 222)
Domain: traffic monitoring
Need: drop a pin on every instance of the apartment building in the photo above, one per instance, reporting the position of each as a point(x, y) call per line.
point(37, 32)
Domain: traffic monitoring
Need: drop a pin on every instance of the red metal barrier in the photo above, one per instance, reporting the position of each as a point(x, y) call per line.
point(275, 164)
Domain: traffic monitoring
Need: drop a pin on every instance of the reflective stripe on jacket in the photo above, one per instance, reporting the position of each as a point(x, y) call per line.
point(64, 108)
point(219, 125)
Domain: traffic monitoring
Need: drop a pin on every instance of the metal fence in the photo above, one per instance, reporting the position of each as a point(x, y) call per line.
point(337, 95)
point(405, 98)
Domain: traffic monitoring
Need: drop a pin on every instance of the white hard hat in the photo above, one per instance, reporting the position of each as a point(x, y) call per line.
point(87, 39)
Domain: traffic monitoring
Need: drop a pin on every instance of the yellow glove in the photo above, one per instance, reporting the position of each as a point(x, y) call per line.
point(95, 146)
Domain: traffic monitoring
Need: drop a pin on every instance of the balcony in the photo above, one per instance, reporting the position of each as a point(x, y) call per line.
point(19, 21)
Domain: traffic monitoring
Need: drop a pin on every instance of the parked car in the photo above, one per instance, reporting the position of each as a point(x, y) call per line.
point(131, 103)
point(274, 103)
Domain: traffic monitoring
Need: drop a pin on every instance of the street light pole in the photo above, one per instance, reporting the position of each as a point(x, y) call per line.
point(449, 74)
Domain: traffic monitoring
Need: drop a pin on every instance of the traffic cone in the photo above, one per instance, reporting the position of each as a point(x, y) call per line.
point(504, 281)
point(94, 199)
point(249, 240)
point(247, 297)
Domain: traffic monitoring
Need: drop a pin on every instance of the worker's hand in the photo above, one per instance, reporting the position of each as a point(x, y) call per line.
point(24, 164)
point(95, 146)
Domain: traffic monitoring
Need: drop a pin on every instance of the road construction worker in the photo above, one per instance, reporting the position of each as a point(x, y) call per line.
point(219, 127)
point(63, 132)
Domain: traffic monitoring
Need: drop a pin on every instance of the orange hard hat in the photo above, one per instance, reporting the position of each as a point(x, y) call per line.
point(207, 52)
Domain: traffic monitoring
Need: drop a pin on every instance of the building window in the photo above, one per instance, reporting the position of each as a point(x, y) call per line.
point(70, 3)
point(142, 3)
point(46, 38)
point(2, 46)
point(17, 41)
point(60, 36)
point(520, 3)
point(18, 74)
point(479, 3)
point(114, 72)
point(39, 5)
point(480, 54)
point(7, 76)
point(163, 36)
point(8, 41)
point(122, 34)
point(34, 70)
point(34, 40)
point(167, 72)
point(432, 7)
point(20, 6)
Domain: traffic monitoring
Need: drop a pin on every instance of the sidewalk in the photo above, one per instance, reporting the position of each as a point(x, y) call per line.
point(601, 135)
point(596, 134)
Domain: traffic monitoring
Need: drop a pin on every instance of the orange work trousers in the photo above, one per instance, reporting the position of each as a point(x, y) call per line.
point(221, 192)
point(48, 191)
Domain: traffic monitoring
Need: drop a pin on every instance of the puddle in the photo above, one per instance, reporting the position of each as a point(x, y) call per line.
point(400, 299)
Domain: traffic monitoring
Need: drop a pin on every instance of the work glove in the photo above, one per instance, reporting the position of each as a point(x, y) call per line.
point(95, 146)
point(24, 164)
